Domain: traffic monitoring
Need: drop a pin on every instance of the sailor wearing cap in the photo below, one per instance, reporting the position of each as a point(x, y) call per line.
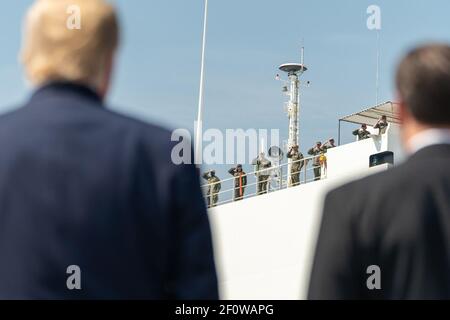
point(297, 165)
point(240, 182)
point(316, 151)
point(214, 187)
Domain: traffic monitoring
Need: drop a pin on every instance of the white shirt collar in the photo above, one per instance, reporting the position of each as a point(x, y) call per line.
point(428, 138)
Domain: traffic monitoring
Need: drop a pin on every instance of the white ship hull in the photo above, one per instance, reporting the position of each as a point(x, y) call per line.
point(264, 245)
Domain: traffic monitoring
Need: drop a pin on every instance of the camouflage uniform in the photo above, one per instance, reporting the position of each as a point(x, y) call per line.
point(328, 145)
point(262, 169)
point(296, 167)
point(362, 134)
point(382, 124)
point(214, 187)
point(316, 151)
point(240, 182)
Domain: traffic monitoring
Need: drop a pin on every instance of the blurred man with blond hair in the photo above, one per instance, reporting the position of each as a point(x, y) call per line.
point(91, 205)
point(54, 52)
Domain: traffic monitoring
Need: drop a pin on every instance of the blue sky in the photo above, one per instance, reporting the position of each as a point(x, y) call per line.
point(158, 67)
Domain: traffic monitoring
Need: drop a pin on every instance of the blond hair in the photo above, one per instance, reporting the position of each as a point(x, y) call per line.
point(53, 51)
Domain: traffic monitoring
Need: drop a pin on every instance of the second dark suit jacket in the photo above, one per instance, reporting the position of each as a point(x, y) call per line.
point(84, 186)
point(398, 220)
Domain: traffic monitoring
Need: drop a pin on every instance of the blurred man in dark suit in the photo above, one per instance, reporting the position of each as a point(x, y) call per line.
point(388, 236)
point(91, 205)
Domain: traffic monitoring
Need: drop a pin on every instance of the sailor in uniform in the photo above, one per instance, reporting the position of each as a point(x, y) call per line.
point(214, 187)
point(297, 165)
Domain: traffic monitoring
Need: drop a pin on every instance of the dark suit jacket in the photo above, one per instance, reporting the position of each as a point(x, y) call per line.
point(81, 185)
point(398, 220)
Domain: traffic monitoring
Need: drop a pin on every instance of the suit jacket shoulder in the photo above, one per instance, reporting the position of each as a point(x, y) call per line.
point(397, 220)
point(131, 218)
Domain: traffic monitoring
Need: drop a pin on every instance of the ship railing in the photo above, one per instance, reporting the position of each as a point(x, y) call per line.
point(278, 180)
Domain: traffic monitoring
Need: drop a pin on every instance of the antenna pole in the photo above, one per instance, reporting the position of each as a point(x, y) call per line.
point(294, 71)
point(302, 58)
point(198, 132)
point(377, 83)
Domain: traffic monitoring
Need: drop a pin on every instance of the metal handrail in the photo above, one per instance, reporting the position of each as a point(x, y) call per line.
point(255, 183)
point(306, 160)
point(253, 194)
point(281, 180)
